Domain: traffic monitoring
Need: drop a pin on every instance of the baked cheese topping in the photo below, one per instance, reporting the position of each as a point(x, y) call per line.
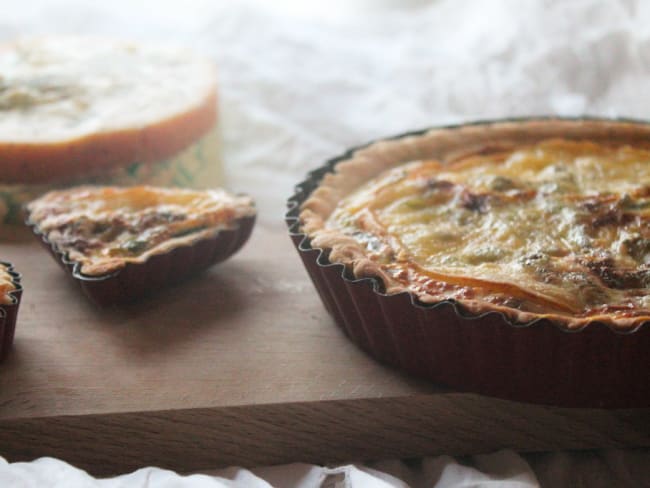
point(60, 88)
point(557, 229)
point(104, 228)
point(6, 286)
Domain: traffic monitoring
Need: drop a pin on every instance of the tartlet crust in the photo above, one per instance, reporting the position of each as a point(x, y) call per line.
point(9, 305)
point(8, 284)
point(448, 144)
point(235, 208)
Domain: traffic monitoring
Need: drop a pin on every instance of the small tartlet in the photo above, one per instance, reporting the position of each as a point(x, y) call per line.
point(495, 346)
point(119, 243)
point(10, 294)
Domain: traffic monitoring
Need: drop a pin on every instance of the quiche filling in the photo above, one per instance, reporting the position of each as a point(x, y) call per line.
point(560, 228)
point(6, 286)
point(104, 228)
point(59, 88)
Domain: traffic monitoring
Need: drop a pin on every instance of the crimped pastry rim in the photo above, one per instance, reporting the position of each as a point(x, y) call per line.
point(9, 311)
point(75, 266)
point(618, 129)
point(18, 287)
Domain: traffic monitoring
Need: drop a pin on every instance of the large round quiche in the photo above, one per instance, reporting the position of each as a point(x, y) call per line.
point(537, 226)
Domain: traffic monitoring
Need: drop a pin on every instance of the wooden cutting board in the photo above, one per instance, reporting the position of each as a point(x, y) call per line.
point(239, 366)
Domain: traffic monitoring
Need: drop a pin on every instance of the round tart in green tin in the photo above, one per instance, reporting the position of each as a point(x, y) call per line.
point(92, 110)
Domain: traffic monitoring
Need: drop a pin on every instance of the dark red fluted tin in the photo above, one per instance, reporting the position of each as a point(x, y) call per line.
point(136, 280)
point(9, 313)
point(538, 362)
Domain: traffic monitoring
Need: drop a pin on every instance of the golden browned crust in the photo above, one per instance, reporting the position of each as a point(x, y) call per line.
point(7, 285)
point(105, 228)
point(447, 145)
point(37, 163)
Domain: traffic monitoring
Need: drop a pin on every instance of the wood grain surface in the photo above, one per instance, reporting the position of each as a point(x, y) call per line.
point(239, 366)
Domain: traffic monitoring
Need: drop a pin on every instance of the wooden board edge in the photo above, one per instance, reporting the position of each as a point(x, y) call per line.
point(324, 432)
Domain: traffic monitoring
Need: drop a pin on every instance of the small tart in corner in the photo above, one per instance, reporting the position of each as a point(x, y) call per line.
point(10, 295)
point(7, 285)
point(553, 228)
point(103, 229)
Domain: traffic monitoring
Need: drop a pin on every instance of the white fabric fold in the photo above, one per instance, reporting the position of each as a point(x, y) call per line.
point(502, 469)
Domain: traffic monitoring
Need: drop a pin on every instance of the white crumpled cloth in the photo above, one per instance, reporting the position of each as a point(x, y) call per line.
point(503, 469)
point(300, 82)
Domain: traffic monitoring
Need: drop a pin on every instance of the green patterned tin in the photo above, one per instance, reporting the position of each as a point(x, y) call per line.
point(197, 166)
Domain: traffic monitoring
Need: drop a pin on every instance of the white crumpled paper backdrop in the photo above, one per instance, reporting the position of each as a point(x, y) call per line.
point(503, 469)
point(296, 89)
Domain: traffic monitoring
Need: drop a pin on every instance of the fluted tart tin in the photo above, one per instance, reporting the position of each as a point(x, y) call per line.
point(9, 310)
point(538, 361)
